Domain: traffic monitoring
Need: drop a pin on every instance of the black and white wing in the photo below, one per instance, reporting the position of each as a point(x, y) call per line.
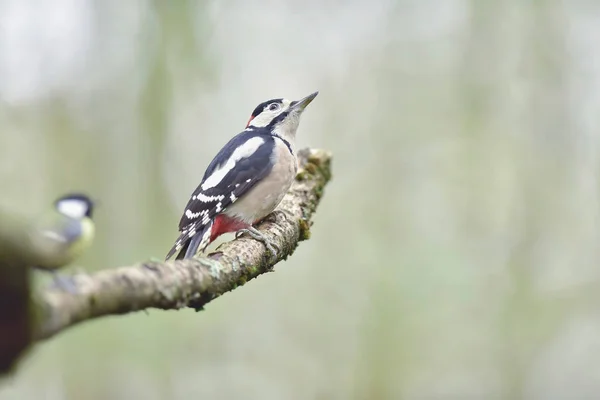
point(241, 163)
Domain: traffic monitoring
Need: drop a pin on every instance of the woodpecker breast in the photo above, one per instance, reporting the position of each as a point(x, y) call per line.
point(264, 197)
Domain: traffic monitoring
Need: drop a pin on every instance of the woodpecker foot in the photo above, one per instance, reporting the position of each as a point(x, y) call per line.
point(255, 234)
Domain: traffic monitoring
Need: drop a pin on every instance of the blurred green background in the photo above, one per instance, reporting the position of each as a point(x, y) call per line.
point(455, 254)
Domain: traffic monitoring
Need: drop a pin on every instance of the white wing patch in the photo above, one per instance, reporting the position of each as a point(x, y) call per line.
point(244, 151)
point(192, 215)
point(207, 199)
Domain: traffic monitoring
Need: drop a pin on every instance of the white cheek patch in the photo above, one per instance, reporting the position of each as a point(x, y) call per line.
point(264, 118)
point(244, 151)
point(72, 208)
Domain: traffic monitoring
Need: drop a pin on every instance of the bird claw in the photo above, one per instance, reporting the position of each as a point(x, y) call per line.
point(272, 248)
point(255, 234)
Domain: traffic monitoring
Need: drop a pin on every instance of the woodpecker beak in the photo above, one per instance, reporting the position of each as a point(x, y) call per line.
point(300, 105)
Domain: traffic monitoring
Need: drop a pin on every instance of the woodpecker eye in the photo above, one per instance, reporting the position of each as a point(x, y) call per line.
point(274, 106)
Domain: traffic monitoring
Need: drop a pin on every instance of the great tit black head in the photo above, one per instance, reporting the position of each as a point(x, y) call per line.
point(75, 205)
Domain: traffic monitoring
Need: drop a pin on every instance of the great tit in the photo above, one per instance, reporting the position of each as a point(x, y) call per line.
point(63, 234)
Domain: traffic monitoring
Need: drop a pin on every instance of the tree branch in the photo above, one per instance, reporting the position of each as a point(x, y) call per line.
point(189, 283)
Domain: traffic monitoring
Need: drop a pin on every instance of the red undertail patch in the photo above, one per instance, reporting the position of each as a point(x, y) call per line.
point(224, 224)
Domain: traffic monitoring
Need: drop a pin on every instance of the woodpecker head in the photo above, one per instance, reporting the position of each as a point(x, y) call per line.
point(280, 116)
point(75, 205)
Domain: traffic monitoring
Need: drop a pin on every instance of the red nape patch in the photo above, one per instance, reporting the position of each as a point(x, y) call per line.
point(250, 120)
point(224, 224)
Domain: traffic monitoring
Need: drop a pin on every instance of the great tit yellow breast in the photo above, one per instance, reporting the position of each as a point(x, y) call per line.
point(61, 241)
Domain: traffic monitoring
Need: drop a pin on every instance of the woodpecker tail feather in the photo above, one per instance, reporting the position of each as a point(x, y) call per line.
point(170, 253)
point(190, 241)
point(200, 241)
point(183, 250)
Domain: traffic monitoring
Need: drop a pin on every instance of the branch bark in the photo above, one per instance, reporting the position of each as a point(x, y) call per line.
point(189, 283)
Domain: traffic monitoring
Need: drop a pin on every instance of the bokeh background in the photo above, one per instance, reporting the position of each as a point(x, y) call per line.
point(455, 254)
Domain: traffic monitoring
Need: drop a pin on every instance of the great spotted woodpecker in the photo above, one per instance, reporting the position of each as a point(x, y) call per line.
point(246, 180)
